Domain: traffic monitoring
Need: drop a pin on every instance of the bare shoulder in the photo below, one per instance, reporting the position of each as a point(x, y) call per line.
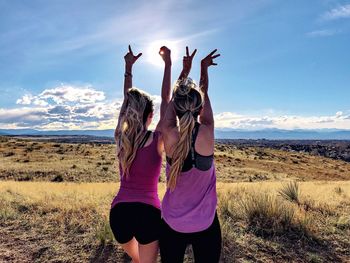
point(205, 140)
point(170, 138)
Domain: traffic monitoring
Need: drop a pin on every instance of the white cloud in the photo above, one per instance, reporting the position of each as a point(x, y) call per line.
point(338, 12)
point(235, 121)
point(25, 100)
point(68, 93)
point(65, 107)
point(83, 107)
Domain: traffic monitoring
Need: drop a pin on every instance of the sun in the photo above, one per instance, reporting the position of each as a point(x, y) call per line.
point(153, 56)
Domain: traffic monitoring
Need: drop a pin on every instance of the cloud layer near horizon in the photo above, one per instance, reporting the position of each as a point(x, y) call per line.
point(83, 107)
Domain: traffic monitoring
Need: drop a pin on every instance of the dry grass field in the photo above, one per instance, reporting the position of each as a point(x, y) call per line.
point(24, 160)
point(68, 222)
point(274, 206)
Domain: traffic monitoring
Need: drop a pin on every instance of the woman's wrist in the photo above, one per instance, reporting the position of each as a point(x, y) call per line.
point(204, 67)
point(185, 73)
point(128, 71)
point(128, 68)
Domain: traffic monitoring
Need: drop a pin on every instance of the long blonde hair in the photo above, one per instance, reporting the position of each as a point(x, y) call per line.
point(132, 126)
point(188, 102)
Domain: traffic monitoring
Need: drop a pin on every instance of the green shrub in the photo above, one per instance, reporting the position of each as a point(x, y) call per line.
point(290, 192)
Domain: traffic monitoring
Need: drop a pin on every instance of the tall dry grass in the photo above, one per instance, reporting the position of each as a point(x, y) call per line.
point(69, 221)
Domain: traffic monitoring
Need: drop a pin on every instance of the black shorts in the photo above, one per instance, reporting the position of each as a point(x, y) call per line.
point(135, 219)
point(206, 244)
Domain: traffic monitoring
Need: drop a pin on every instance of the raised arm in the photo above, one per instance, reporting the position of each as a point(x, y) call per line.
point(165, 53)
point(187, 64)
point(206, 116)
point(169, 119)
point(130, 59)
point(170, 115)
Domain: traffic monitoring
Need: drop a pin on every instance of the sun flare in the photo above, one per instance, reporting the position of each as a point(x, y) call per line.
point(153, 56)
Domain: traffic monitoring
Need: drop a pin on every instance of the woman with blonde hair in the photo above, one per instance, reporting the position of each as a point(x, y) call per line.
point(135, 210)
point(189, 205)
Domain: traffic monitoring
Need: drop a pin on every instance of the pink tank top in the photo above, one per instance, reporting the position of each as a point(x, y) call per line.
point(191, 206)
point(142, 183)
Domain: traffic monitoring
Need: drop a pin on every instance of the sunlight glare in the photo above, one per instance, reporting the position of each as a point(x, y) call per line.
point(153, 56)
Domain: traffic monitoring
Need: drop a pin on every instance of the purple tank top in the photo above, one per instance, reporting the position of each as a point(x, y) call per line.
point(142, 183)
point(191, 206)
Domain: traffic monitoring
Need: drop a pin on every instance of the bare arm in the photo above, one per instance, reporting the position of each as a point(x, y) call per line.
point(206, 116)
point(130, 59)
point(170, 118)
point(165, 53)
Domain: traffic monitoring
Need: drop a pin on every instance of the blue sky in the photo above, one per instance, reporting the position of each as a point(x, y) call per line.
point(283, 64)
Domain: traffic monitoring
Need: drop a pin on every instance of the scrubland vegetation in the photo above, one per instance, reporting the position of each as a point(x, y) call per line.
point(23, 160)
point(274, 206)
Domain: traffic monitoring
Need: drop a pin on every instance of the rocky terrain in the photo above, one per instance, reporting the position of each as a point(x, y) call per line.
point(338, 150)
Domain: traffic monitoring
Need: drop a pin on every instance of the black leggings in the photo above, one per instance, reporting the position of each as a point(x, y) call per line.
point(206, 244)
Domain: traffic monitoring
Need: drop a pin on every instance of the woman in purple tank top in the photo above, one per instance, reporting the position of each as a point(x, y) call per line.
point(135, 211)
point(189, 205)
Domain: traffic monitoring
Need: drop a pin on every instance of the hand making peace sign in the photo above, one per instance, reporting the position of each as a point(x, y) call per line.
point(187, 60)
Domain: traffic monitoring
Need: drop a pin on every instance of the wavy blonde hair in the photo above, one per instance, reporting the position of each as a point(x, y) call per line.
point(188, 102)
point(132, 126)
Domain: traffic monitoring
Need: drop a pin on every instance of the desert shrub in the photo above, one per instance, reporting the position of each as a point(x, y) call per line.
point(104, 232)
point(314, 258)
point(7, 212)
point(60, 151)
point(8, 154)
point(27, 177)
point(338, 190)
point(290, 192)
point(269, 216)
point(266, 215)
point(29, 148)
point(57, 178)
point(308, 204)
point(343, 222)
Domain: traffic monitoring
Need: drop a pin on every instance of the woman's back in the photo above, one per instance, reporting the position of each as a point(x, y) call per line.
point(141, 184)
point(191, 206)
point(204, 144)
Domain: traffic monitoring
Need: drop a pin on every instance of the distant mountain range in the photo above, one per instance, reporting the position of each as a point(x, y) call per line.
point(270, 134)
point(279, 134)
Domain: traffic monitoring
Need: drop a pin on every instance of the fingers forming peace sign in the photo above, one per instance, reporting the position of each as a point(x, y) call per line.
point(187, 60)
